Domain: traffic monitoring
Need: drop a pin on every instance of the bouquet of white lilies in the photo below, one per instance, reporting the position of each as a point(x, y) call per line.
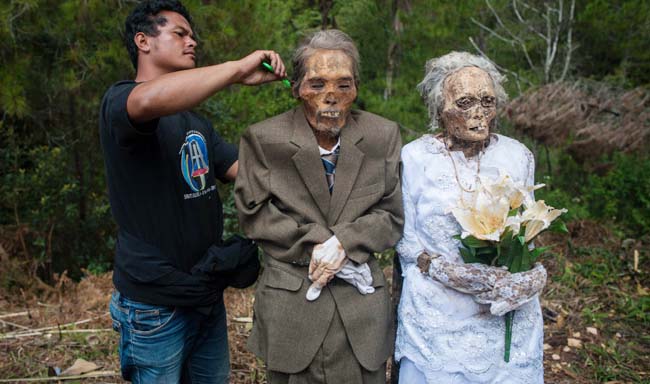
point(499, 221)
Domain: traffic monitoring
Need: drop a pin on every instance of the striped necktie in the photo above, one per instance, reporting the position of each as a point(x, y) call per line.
point(329, 162)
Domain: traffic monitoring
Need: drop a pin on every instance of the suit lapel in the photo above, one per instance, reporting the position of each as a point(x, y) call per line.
point(347, 168)
point(308, 163)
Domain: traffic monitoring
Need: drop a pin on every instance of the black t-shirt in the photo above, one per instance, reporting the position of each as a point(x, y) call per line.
point(161, 178)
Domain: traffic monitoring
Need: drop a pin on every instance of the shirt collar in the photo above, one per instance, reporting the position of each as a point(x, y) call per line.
point(324, 151)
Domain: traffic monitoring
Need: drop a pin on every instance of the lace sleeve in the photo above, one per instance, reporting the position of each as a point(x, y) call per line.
point(504, 291)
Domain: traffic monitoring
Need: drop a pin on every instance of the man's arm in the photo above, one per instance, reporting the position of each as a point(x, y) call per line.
point(279, 235)
point(381, 226)
point(231, 173)
point(225, 157)
point(184, 90)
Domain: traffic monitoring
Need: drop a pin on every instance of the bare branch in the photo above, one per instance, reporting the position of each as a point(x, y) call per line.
point(496, 16)
point(62, 378)
point(556, 41)
point(525, 22)
point(547, 63)
point(569, 51)
point(531, 8)
point(50, 328)
point(9, 323)
point(512, 35)
point(558, 29)
point(514, 74)
point(25, 313)
point(60, 332)
point(11, 18)
point(493, 32)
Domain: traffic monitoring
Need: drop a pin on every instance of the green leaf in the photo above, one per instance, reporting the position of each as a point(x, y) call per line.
point(517, 262)
point(505, 257)
point(558, 226)
point(506, 240)
point(526, 259)
point(511, 256)
point(521, 239)
point(486, 251)
point(537, 252)
point(468, 257)
point(471, 241)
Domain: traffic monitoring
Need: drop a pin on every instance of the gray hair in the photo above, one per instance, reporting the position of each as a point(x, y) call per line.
point(331, 39)
point(438, 69)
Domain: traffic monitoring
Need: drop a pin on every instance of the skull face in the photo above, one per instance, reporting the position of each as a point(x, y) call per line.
point(328, 90)
point(469, 111)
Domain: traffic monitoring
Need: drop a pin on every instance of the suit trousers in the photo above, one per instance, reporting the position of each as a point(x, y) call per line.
point(334, 363)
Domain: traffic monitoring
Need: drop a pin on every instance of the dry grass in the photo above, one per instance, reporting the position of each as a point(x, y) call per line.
point(590, 118)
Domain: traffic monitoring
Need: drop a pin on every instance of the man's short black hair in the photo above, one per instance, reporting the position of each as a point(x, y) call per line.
point(143, 19)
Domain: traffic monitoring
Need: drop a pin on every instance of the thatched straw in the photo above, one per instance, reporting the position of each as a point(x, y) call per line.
point(590, 119)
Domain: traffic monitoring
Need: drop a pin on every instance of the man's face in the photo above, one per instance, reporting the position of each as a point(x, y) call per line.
point(328, 90)
point(469, 110)
point(173, 48)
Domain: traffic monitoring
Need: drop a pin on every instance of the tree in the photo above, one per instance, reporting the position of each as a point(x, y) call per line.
point(540, 32)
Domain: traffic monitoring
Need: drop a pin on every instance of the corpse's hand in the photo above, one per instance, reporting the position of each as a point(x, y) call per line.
point(327, 259)
point(502, 290)
point(252, 72)
point(515, 289)
point(424, 261)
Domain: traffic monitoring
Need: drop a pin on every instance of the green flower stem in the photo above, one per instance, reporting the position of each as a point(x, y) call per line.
point(509, 319)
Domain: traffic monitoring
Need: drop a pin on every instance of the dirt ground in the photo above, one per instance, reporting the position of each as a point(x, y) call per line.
point(45, 329)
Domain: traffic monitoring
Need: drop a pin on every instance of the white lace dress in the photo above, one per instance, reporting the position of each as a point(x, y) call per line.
point(443, 332)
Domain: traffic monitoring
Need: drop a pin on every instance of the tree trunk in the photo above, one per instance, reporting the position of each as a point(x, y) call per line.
point(325, 8)
point(392, 54)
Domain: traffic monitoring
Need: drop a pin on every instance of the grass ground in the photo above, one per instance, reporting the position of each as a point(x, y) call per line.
point(596, 313)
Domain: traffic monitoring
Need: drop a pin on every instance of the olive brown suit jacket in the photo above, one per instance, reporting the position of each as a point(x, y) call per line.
point(284, 204)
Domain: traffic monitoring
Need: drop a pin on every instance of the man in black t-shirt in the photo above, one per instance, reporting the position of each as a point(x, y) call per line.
point(162, 162)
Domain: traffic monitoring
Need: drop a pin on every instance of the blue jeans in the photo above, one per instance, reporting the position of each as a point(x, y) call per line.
point(170, 345)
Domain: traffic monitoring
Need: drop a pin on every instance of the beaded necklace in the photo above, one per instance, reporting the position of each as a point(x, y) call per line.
point(453, 163)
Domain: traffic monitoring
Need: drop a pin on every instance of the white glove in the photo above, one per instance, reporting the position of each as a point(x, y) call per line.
point(330, 251)
point(502, 290)
point(326, 260)
point(515, 290)
point(329, 259)
point(358, 275)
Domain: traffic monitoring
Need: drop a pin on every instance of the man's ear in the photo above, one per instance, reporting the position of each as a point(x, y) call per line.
point(142, 42)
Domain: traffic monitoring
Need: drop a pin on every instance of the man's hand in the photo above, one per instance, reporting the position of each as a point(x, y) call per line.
point(252, 72)
point(324, 272)
point(326, 259)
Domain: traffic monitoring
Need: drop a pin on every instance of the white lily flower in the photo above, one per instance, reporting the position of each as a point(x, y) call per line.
point(537, 217)
point(486, 219)
point(516, 193)
point(514, 224)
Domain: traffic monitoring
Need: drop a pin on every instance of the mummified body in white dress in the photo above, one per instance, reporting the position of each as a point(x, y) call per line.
point(444, 334)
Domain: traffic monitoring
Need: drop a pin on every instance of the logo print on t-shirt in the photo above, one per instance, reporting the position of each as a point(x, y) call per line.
point(194, 160)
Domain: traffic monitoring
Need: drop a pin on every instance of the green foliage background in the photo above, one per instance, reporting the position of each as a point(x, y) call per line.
point(58, 57)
